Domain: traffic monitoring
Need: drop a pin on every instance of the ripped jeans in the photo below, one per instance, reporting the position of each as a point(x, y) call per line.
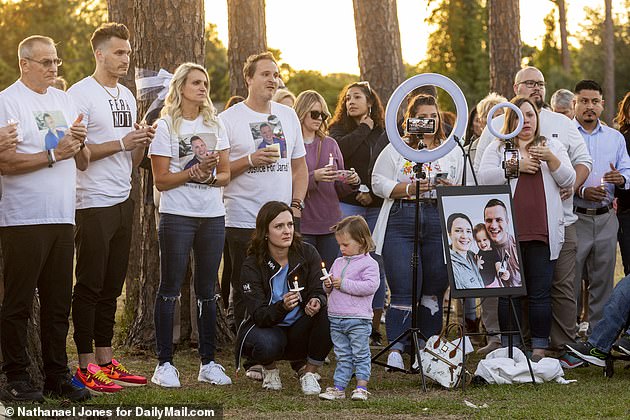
point(432, 274)
point(177, 235)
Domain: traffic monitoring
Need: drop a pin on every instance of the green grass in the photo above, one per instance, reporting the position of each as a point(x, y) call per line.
point(394, 396)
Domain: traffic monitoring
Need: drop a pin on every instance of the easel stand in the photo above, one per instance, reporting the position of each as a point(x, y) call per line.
point(414, 331)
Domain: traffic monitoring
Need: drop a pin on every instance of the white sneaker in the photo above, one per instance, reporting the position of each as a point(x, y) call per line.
point(395, 359)
point(271, 379)
point(332, 394)
point(309, 383)
point(359, 394)
point(166, 376)
point(213, 373)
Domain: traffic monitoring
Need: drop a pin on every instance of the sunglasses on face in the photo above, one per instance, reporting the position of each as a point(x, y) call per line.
point(316, 114)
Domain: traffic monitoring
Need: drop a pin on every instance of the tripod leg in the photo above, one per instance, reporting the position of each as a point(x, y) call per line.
point(414, 340)
point(520, 332)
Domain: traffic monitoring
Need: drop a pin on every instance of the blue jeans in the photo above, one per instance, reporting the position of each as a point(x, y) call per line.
point(326, 245)
point(351, 341)
point(370, 214)
point(177, 235)
point(538, 270)
point(616, 317)
point(432, 274)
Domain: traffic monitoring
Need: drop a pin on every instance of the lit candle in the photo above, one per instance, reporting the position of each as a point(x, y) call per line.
point(297, 288)
point(324, 272)
point(331, 161)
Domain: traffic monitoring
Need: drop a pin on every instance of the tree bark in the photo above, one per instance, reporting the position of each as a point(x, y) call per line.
point(247, 35)
point(564, 44)
point(174, 38)
point(378, 43)
point(505, 45)
point(609, 65)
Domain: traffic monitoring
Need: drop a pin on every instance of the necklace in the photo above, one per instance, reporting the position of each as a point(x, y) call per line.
point(107, 91)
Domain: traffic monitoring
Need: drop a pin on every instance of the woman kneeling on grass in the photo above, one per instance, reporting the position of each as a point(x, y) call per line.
point(286, 317)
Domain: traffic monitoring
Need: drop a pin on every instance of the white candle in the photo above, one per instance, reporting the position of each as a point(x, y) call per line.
point(297, 288)
point(331, 161)
point(325, 273)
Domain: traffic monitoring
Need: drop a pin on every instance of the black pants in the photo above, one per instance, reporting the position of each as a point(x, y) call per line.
point(37, 256)
point(237, 241)
point(308, 337)
point(103, 239)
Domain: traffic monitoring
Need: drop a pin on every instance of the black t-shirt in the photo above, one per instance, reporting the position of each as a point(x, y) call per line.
point(623, 196)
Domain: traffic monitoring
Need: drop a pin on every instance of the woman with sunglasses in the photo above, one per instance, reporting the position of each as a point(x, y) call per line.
point(358, 125)
point(326, 175)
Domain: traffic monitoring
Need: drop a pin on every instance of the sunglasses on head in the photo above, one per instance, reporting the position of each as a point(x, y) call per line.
point(316, 114)
point(366, 84)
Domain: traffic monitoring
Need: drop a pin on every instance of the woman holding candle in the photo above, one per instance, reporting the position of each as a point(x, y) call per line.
point(326, 175)
point(284, 320)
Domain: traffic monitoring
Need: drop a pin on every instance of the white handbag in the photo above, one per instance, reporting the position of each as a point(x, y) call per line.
point(442, 361)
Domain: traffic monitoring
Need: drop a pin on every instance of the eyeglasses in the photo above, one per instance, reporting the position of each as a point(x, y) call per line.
point(532, 83)
point(316, 114)
point(47, 62)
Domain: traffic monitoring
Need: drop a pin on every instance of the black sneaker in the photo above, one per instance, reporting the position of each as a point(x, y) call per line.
point(376, 339)
point(66, 390)
point(586, 351)
point(19, 391)
point(622, 345)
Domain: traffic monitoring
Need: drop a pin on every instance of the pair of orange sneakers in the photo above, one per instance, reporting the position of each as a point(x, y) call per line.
point(108, 379)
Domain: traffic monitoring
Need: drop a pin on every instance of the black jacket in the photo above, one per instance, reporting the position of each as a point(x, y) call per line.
point(255, 283)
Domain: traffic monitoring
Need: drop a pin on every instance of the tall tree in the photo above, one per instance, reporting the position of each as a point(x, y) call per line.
point(564, 44)
point(457, 48)
point(177, 37)
point(609, 63)
point(247, 35)
point(504, 34)
point(378, 42)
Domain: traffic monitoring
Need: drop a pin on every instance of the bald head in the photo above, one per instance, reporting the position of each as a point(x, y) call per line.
point(530, 83)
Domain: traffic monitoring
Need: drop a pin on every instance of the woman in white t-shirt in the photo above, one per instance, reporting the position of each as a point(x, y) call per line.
point(189, 158)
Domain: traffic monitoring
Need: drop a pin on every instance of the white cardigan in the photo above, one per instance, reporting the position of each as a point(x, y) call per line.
point(384, 178)
point(492, 173)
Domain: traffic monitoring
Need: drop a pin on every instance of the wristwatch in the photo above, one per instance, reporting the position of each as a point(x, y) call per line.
point(296, 203)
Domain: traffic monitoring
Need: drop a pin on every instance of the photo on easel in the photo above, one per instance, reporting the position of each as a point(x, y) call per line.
point(480, 241)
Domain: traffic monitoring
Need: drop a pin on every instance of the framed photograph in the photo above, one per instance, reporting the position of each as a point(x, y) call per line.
point(480, 241)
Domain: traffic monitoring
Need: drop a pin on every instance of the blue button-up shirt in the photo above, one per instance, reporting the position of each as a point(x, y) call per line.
point(606, 145)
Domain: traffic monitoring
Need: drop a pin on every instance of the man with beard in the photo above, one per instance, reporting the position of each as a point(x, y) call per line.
point(497, 222)
point(597, 225)
point(530, 82)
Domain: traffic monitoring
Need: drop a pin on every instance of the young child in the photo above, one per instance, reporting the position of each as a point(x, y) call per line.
point(353, 281)
point(487, 258)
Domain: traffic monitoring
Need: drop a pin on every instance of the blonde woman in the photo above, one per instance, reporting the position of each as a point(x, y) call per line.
point(189, 158)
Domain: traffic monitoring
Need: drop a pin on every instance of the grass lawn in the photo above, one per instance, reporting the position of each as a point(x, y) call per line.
point(394, 395)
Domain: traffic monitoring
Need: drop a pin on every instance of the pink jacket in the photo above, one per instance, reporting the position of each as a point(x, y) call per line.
point(359, 281)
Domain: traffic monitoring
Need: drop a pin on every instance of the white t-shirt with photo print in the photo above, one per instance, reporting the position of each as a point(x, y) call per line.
point(47, 195)
point(246, 193)
point(108, 117)
point(191, 199)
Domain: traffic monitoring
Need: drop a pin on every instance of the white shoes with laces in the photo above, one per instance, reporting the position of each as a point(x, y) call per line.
point(213, 373)
point(166, 376)
point(309, 383)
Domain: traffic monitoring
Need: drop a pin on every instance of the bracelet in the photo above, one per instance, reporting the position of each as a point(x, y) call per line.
point(249, 159)
point(581, 191)
point(122, 145)
point(407, 190)
point(212, 180)
point(51, 158)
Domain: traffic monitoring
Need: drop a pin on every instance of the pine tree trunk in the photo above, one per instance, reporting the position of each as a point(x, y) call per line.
point(562, 21)
point(378, 43)
point(247, 35)
point(174, 38)
point(505, 45)
point(609, 65)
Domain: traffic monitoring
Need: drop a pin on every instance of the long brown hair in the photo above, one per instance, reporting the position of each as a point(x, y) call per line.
point(374, 102)
point(266, 214)
point(511, 119)
point(414, 103)
point(623, 116)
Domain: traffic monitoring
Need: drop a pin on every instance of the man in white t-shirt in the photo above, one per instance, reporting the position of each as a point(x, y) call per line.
point(530, 82)
point(104, 209)
point(36, 221)
point(258, 174)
